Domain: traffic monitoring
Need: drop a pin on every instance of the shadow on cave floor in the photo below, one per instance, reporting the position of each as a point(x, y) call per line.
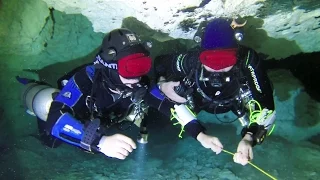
point(51, 74)
point(305, 67)
point(10, 167)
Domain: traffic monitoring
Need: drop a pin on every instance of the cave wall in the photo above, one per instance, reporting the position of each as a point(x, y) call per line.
point(25, 26)
point(276, 28)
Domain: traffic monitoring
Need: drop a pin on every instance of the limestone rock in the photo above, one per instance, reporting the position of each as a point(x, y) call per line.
point(25, 26)
point(287, 27)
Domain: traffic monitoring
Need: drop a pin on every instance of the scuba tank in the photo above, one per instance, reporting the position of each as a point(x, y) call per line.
point(37, 99)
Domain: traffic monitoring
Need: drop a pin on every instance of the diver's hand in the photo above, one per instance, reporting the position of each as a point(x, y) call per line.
point(210, 142)
point(117, 146)
point(168, 89)
point(244, 152)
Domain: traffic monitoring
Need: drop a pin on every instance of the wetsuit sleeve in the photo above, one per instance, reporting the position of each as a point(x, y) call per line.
point(175, 66)
point(155, 99)
point(62, 122)
point(262, 92)
point(258, 80)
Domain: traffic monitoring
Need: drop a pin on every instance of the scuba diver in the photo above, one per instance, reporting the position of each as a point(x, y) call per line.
point(112, 90)
point(221, 76)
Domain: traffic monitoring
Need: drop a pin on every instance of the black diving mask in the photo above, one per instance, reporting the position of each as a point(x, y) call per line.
point(215, 79)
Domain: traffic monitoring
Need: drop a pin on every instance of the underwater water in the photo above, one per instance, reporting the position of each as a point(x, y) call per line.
point(292, 152)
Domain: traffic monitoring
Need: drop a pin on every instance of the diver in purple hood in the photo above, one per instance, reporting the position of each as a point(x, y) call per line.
point(218, 77)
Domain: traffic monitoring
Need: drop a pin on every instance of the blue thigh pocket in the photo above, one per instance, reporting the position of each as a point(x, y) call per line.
point(70, 94)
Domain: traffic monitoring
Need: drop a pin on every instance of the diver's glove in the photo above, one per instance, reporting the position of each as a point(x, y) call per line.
point(117, 146)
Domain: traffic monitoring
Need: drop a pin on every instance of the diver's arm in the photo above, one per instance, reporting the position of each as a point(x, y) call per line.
point(175, 66)
point(260, 124)
point(187, 119)
point(258, 80)
point(61, 122)
point(172, 70)
point(157, 100)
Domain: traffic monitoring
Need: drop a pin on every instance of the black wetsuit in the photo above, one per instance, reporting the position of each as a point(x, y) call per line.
point(73, 107)
point(248, 70)
point(175, 67)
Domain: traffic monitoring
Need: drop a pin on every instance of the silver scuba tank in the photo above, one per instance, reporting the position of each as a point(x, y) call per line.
point(37, 99)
